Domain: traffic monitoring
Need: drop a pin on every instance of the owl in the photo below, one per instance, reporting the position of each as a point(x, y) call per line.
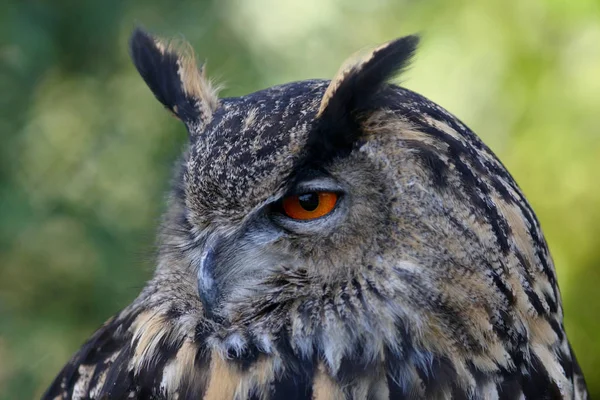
point(343, 239)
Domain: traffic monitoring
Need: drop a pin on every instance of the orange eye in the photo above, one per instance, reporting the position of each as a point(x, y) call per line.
point(309, 206)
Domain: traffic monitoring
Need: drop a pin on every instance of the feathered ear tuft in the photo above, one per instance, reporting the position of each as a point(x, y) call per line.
point(351, 93)
point(175, 79)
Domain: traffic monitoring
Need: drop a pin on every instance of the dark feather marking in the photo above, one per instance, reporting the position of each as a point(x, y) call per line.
point(355, 364)
point(504, 327)
point(517, 354)
point(577, 373)
point(552, 304)
point(533, 297)
point(203, 356)
point(246, 358)
point(538, 385)
point(119, 380)
point(395, 389)
point(501, 285)
point(509, 389)
point(151, 373)
point(290, 386)
point(394, 362)
point(557, 327)
point(372, 288)
point(191, 390)
point(359, 293)
point(397, 359)
point(431, 161)
point(439, 377)
point(173, 313)
point(296, 382)
point(104, 347)
point(188, 389)
point(566, 363)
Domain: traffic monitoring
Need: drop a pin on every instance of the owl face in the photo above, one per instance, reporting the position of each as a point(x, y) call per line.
point(355, 220)
point(257, 205)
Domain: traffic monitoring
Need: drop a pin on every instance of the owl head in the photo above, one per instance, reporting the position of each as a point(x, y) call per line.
point(352, 222)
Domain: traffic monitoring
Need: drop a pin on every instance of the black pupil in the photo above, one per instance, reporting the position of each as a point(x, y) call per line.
point(309, 201)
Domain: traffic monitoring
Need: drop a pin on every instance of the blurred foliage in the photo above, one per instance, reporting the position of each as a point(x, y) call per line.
point(86, 150)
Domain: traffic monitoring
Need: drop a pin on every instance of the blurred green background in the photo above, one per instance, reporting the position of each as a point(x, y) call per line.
point(86, 152)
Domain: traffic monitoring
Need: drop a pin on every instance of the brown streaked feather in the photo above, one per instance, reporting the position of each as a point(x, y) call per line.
point(182, 376)
point(325, 387)
point(224, 380)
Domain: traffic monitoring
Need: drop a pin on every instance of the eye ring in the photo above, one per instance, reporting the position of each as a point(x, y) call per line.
point(310, 205)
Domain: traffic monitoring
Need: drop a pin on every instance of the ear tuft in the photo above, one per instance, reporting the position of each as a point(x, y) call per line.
point(174, 78)
point(353, 85)
point(351, 94)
